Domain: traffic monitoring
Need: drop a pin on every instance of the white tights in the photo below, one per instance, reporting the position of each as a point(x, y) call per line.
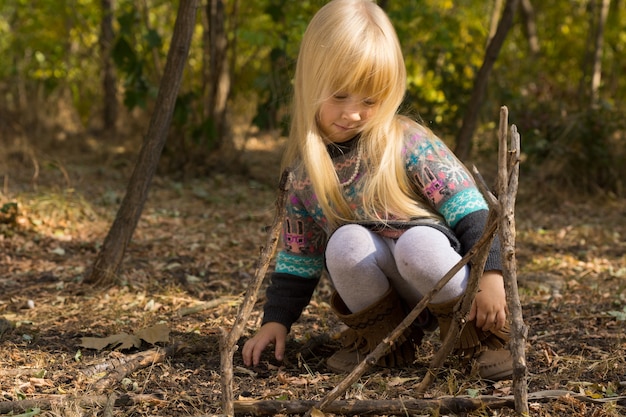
point(362, 265)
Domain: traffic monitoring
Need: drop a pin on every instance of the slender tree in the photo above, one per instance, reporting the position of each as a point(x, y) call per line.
point(219, 72)
point(470, 118)
point(109, 82)
point(495, 18)
point(596, 73)
point(108, 262)
point(530, 26)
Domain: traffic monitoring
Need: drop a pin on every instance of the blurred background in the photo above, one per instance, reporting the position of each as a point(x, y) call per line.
point(79, 78)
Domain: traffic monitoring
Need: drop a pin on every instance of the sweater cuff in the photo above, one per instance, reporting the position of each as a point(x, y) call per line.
point(494, 259)
point(470, 229)
point(287, 296)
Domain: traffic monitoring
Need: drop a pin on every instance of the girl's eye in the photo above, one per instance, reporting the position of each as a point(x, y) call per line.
point(369, 102)
point(340, 96)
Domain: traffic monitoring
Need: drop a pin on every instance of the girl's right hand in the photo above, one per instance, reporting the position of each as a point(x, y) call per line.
point(268, 333)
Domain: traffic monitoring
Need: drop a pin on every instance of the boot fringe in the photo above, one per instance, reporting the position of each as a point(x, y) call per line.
point(367, 328)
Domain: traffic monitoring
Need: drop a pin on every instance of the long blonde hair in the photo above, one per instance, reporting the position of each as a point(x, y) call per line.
point(350, 45)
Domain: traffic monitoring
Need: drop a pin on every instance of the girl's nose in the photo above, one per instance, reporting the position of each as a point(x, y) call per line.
point(352, 112)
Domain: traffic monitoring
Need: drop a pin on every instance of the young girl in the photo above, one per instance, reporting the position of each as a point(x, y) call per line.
point(378, 201)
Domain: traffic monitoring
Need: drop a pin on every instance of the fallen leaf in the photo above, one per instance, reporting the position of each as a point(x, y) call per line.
point(119, 341)
point(155, 334)
point(41, 382)
point(317, 413)
point(399, 380)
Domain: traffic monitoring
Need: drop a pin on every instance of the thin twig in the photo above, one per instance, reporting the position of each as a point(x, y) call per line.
point(228, 340)
point(109, 406)
point(206, 305)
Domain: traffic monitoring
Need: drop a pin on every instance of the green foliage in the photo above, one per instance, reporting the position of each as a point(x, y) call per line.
point(45, 47)
point(278, 28)
point(130, 54)
point(443, 45)
point(8, 213)
point(50, 47)
point(567, 140)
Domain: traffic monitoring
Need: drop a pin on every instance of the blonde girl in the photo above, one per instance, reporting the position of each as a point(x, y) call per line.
point(378, 201)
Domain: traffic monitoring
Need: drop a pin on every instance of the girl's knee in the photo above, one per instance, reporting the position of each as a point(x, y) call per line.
point(346, 235)
point(348, 248)
point(425, 240)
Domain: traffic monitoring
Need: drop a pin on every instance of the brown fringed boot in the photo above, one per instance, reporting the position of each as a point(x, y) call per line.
point(488, 349)
point(367, 328)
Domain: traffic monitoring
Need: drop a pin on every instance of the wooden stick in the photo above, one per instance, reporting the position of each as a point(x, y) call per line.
point(399, 407)
point(120, 367)
point(109, 406)
point(403, 407)
point(228, 340)
point(507, 190)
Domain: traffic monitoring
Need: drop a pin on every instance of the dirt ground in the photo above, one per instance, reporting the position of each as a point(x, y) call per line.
point(192, 256)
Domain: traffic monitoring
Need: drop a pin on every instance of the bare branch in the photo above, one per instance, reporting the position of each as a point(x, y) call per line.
point(228, 341)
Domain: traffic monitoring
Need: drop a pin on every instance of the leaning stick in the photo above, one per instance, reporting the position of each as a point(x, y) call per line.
point(228, 340)
point(507, 190)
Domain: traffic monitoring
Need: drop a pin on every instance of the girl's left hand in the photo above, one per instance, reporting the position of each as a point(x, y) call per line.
point(489, 307)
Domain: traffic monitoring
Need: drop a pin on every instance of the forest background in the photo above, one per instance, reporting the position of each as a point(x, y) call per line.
point(95, 66)
point(78, 85)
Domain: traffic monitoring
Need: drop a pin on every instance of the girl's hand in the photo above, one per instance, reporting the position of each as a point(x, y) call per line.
point(268, 333)
point(489, 307)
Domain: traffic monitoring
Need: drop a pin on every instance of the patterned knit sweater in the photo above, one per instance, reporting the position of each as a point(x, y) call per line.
point(444, 183)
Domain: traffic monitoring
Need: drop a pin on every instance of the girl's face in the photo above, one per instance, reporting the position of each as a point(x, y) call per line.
point(343, 115)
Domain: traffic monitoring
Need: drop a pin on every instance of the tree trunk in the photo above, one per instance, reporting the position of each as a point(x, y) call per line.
point(109, 83)
point(464, 137)
point(219, 78)
point(530, 27)
point(495, 18)
point(107, 264)
point(596, 73)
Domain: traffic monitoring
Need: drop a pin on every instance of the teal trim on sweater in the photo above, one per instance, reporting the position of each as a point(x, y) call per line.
point(305, 267)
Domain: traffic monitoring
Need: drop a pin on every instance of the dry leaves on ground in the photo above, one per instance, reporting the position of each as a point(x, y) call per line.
point(192, 255)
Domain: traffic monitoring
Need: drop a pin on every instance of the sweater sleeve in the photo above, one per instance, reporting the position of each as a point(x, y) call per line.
point(299, 265)
point(441, 178)
point(469, 229)
point(449, 188)
point(287, 295)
